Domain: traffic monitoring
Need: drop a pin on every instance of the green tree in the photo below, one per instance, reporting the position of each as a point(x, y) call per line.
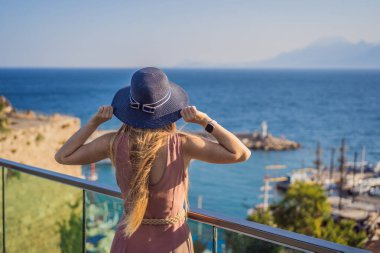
point(262, 216)
point(303, 209)
point(71, 231)
point(344, 232)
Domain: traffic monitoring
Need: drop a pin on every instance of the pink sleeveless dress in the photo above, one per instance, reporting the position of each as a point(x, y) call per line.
point(166, 198)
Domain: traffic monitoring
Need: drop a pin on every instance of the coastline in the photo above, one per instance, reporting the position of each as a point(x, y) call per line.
point(33, 139)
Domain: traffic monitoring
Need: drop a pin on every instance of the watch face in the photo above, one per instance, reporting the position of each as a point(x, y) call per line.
point(209, 128)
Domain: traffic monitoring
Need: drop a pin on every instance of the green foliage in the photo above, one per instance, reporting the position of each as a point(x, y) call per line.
point(3, 124)
point(262, 216)
point(13, 174)
point(344, 232)
point(303, 209)
point(40, 137)
point(71, 231)
point(3, 120)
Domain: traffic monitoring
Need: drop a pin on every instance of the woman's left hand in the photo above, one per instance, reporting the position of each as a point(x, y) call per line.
point(103, 114)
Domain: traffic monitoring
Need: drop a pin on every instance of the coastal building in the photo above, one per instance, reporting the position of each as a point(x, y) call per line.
point(264, 130)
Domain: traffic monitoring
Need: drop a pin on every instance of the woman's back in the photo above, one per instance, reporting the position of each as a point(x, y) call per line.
point(166, 199)
point(149, 104)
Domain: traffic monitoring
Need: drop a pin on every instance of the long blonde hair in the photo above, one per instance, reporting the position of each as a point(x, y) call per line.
point(143, 147)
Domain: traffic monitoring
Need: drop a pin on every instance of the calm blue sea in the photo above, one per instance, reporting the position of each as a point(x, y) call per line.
point(303, 105)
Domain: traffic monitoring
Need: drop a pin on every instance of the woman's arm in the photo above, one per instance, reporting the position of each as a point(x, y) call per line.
point(74, 152)
point(228, 149)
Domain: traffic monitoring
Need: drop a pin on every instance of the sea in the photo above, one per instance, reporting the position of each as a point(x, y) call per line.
point(307, 106)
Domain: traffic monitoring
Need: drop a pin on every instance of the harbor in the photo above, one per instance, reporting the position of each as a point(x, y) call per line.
point(352, 188)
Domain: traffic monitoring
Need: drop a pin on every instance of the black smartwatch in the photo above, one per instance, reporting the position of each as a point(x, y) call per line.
point(210, 126)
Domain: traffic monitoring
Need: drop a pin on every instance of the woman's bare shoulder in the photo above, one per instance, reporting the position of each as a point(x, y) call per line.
point(108, 136)
point(112, 136)
point(186, 138)
point(205, 149)
point(191, 141)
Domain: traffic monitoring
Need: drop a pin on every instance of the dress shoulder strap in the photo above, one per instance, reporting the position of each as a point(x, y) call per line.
point(179, 141)
point(176, 144)
point(111, 144)
point(111, 148)
point(183, 172)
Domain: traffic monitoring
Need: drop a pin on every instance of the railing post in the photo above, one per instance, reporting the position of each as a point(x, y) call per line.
point(3, 205)
point(83, 220)
point(214, 239)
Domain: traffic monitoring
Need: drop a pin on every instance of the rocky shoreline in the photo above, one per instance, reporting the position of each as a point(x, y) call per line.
point(31, 138)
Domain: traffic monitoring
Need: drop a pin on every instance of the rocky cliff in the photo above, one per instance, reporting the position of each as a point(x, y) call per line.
point(33, 139)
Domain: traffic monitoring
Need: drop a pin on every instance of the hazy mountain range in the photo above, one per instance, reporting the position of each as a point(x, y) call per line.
point(326, 53)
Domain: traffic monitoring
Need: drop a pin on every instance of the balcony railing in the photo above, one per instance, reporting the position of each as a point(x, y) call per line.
point(45, 211)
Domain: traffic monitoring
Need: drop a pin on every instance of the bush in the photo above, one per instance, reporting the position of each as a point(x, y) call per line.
point(71, 231)
point(40, 137)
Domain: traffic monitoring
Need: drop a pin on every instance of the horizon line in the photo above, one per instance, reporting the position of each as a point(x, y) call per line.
point(183, 68)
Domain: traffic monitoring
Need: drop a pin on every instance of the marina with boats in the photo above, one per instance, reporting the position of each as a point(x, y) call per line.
point(352, 188)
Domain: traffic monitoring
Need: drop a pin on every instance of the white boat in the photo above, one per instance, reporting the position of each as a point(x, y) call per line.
point(365, 185)
point(303, 175)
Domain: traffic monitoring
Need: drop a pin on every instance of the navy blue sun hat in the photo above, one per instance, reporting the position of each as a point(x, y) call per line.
point(151, 101)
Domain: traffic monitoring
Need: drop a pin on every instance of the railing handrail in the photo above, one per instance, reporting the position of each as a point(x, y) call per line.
point(253, 229)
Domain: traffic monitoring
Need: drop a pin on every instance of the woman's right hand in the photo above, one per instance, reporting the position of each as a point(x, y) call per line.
point(192, 115)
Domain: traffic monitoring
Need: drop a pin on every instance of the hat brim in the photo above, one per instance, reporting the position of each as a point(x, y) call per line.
point(163, 115)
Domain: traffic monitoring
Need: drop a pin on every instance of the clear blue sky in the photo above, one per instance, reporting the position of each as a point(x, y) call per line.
point(93, 33)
